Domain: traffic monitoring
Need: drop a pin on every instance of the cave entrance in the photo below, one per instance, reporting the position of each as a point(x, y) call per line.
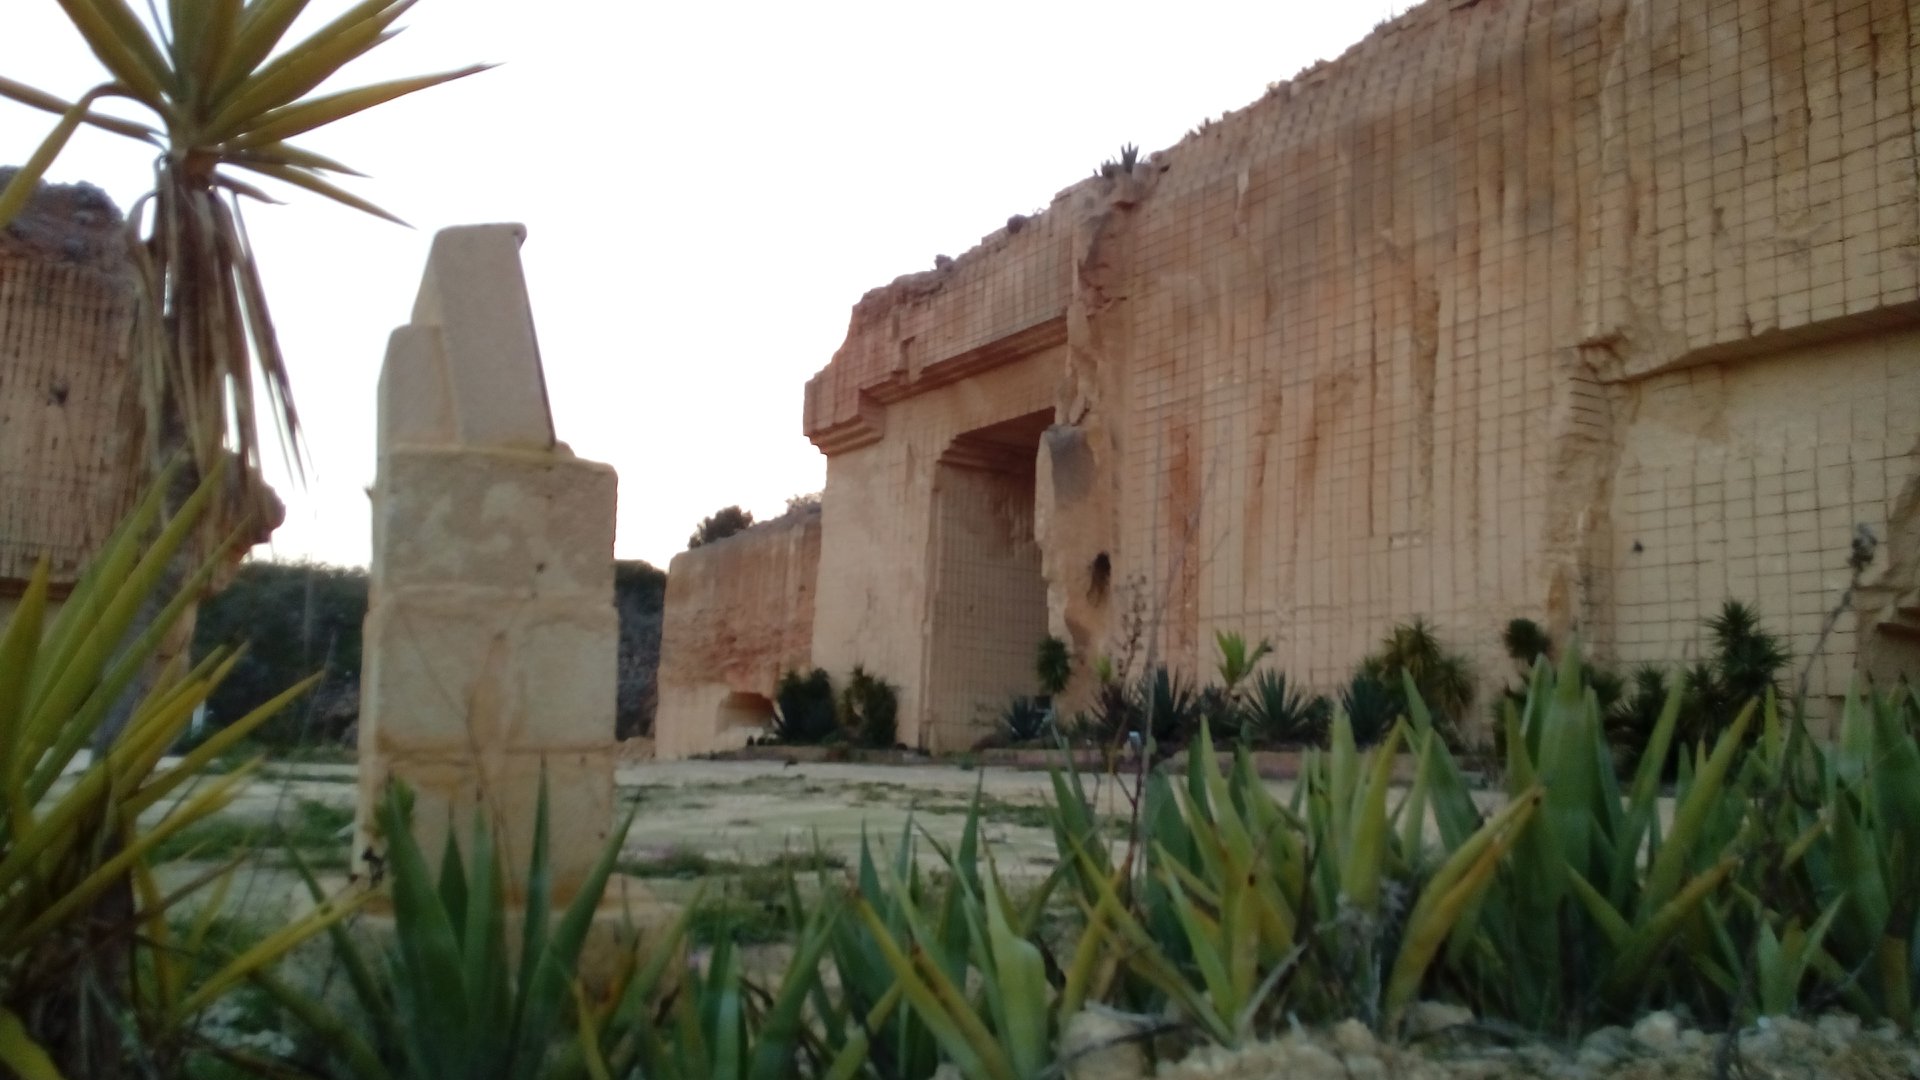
point(989, 600)
point(744, 711)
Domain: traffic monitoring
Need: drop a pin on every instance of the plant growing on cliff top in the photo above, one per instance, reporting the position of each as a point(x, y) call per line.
point(722, 523)
point(225, 96)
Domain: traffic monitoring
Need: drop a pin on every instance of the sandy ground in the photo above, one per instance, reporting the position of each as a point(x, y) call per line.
point(749, 812)
point(745, 812)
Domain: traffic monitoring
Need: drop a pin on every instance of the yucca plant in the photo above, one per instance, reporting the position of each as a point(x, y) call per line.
point(1371, 705)
point(88, 957)
point(226, 93)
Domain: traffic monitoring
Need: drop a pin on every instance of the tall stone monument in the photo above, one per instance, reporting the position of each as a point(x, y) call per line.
point(491, 639)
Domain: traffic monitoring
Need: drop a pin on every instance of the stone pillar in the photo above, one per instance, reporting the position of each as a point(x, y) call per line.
point(491, 639)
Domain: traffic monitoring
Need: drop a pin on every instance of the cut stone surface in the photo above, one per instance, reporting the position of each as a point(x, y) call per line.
point(1594, 312)
point(525, 524)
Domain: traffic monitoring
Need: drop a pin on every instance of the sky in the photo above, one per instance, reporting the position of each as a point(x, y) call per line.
point(708, 188)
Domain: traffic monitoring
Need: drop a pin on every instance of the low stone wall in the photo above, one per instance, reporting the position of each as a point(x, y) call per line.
point(739, 613)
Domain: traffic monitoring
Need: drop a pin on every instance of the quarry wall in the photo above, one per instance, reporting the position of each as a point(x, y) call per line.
point(66, 308)
point(739, 614)
point(1598, 312)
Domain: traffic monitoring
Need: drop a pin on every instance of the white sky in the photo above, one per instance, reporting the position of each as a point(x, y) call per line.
point(708, 189)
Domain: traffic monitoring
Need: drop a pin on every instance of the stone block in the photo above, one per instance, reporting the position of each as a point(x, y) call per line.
point(473, 289)
point(415, 403)
point(503, 789)
point(563, 669)
point(525, 525)
point(451, 671)
point(435, 675)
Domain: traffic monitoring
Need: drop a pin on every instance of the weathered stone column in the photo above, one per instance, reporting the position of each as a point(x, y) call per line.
point(491, 639)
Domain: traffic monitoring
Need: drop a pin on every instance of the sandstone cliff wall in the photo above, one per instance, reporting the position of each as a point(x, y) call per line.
point(739, 614)
point(1594, 311)
point(66, 305)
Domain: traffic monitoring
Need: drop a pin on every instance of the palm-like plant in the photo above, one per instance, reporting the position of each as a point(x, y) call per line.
point(88, 956)
point(226, 97)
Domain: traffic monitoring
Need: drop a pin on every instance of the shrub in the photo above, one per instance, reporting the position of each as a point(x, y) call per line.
point(804, 712)
point(1444, 679)
point(869, 710)
point(298, 618)
point(639, 597)
point(1053, 665)
point(1526, 642)
point(719, 525)
point(1278, 714)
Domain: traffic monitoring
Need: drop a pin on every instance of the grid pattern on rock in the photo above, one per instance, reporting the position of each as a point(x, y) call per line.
point(989, 603)
point(1379, 338)
point(906, 330)
point(1349, 301)
point(873, 601)
point(1746, 481)
point(739, 614)
point(63, 425)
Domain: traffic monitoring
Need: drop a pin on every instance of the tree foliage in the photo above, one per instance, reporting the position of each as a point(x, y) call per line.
point(640, 596)
point(297, 619)
point(223, 90)
point(721, 524)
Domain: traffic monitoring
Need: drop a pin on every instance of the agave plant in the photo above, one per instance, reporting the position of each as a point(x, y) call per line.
point(226, 93)
point(87, 949)
point(1586, 923)
point(1249, 898)
point(1279, 713)
point(1025, 720)
point(1371, 705)
point(926, 950)
point(457, 995)
point(1855, 814)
